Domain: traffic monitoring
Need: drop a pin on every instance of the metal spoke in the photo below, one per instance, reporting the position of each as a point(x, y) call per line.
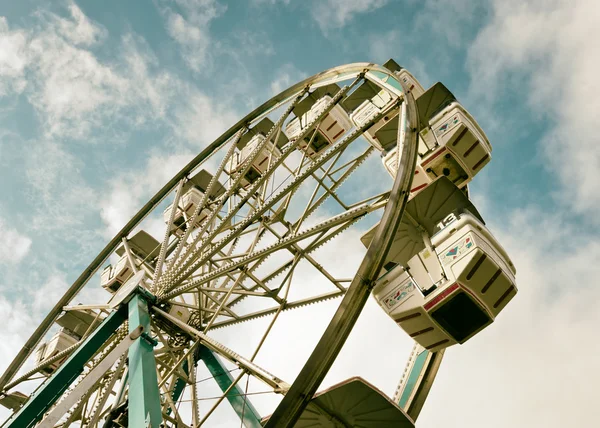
point(188, 268)
point(348, 216)
point(222, 350)
point(163, 247)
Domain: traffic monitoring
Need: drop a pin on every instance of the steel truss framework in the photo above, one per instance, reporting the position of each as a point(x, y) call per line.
point(243, 261)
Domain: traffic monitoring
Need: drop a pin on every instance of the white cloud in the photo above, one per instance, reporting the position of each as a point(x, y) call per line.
point(13, 245)
point(248, 44)
point(79, 29)
point(129, 191)
point(386, 45)
point(543, 51)
point(76, 93)
point(16, 325)
point(46, 296)
point(150, 90)
point(190, 28)
point(287, 75)
point(261, 2)
point(73, 91)
point(13, 59)
point(68, 84)
point(60, 197)
point(200, 119)
point(332, 14)
point(448, 19)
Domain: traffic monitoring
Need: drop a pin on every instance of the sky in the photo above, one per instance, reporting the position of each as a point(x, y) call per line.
point(102, 102)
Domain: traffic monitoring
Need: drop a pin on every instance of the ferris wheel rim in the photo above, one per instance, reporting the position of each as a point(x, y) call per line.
point(357, 71)
point(103, 255)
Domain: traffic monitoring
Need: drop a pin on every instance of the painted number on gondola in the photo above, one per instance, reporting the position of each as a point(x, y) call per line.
point(446, 221)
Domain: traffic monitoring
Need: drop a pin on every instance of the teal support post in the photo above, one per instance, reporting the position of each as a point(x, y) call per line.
point(413, 377)
point(45, 397)
point(144, 397)
point(245, 410)
point(420, 373)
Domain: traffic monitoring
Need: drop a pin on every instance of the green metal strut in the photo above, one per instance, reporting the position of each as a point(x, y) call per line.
point(45, 397)
point(144, 397)
point(244, 409)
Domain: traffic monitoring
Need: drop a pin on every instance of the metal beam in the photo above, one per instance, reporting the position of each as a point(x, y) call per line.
point(416, 382)
point(339, 219)
point(274, 382)
point(144, 397)
point(89, 381)
point(56, 385)
point(108, 390)
point(242, 406)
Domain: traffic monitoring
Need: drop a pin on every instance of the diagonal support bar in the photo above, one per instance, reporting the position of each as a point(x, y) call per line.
point(419, 374)
point(57, 384)
point(144, 397)
point(244, 409)
point(274, 382)
point(86, 385)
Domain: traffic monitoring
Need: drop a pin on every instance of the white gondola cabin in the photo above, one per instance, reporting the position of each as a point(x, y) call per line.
point(332, 127)
point(192, 195)
point(143, 247)
point(369, 100)
point(357, 403)
point(269, 152)
point(62, 340)
point(447, 277)
point(113, 277)
point(74, 324)
point(451, 143)
point(412, 84)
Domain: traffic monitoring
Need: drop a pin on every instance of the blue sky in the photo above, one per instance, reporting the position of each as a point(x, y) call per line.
point(102, 102)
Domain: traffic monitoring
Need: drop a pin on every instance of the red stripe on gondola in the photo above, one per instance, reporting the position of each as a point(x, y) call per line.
point(437, 299)
point(419, 187)
point(433, 156)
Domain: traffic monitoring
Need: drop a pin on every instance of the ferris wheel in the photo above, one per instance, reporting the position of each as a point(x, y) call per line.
point(250, 227)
